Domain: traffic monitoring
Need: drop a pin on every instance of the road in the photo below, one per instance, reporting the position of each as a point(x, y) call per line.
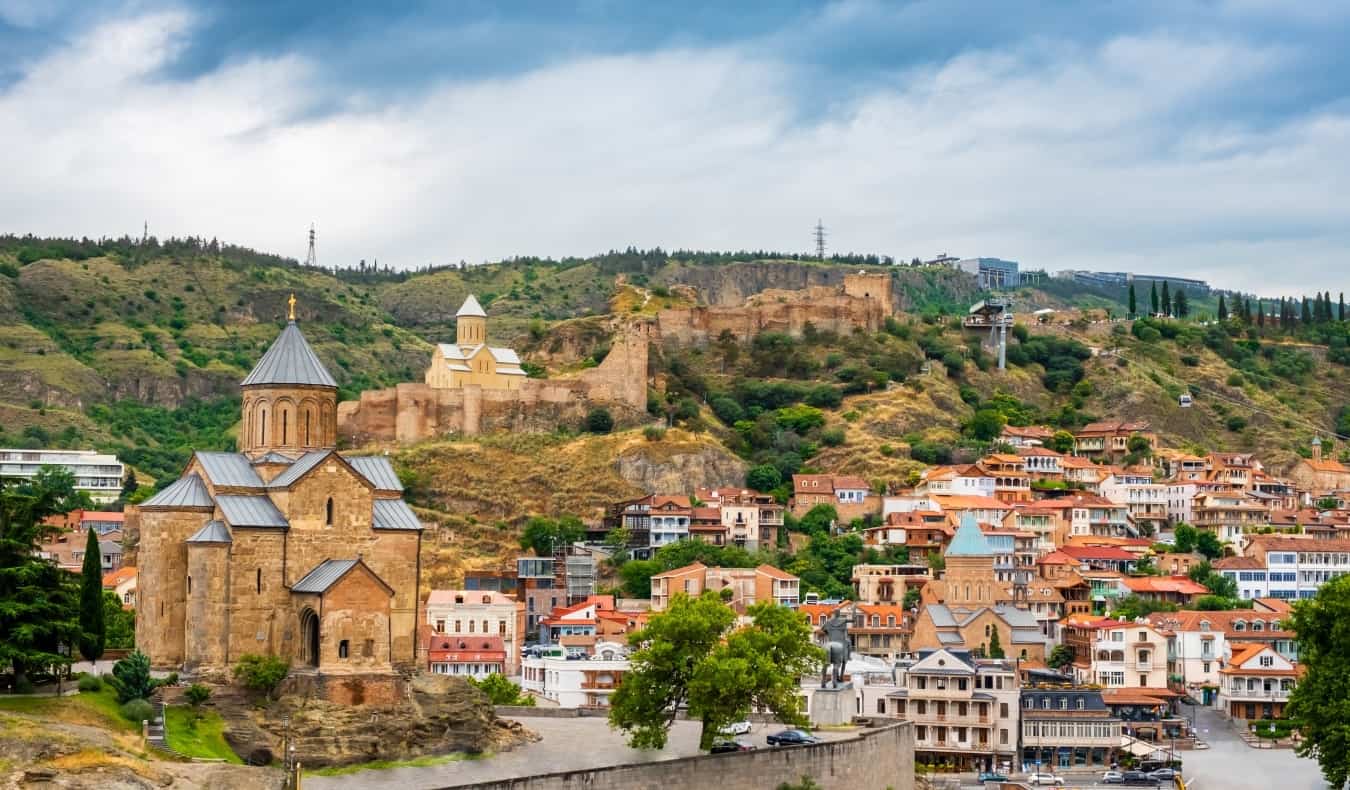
point(565, 745)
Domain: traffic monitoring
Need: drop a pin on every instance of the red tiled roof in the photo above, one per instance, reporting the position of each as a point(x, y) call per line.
point(1097, 553)
point(1164, 584)
point(114, 578)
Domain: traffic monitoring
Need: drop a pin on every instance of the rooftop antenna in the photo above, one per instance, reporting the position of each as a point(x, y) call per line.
point(311, 259)
point(820, 239)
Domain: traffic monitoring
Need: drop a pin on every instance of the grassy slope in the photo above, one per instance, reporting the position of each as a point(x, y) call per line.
point(198, 736)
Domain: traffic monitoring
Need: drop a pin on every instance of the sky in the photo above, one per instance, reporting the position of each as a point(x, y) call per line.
point(1207, 139)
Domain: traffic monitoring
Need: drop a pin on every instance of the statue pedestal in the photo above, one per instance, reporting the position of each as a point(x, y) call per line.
point(832, 707)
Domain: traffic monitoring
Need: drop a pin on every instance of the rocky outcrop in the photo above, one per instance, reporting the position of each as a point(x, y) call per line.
point(435, 714)
point(661, 469)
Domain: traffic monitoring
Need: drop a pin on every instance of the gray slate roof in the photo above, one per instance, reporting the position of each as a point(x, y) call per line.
point(394, 514)
point(273, 457)
point(376, 469)
point(323, 576)
point(187, 491)
point(298, 469)
point(230, 470)
point(471, 307)
point(213, 532)
point(250, 511)
point(290, 360)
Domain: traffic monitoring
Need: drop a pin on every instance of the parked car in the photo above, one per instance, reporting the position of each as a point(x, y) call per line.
point(723, 747)
point(791, 738)
point(1113, 778)
point(1045, 780)
point(1164, 774)
point(738, 728)
point(991, 776)
point(1139, 779)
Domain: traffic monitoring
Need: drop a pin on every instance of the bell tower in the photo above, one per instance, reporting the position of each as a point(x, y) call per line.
point(290, 399)
point(471, 323)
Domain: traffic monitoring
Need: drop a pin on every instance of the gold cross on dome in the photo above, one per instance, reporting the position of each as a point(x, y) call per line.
point(291, 302)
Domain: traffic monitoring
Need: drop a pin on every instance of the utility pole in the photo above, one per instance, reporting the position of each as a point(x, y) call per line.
point(311, 259)
point(820, 239)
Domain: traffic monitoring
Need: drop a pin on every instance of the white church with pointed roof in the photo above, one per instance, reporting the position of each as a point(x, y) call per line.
point(286, 548)
point(470, 361)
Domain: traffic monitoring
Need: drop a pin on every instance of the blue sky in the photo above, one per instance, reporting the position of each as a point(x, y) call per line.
point(1205, 139)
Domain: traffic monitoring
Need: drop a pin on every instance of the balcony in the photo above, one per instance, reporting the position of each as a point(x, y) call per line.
point(1143, 666)
point(1277, 695)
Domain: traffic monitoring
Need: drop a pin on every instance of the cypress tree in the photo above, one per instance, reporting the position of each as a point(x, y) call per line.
point(1341, 315)
point(1306, 314)
point(1181, 304)
point(1153, 298)
point(1166, 299)
point(1223, 309)
point(995, 647)
point(1132, 302)
point(1261, 313)
point(93, 630)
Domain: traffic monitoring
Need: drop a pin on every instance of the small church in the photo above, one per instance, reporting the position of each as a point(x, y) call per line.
point(286, 547)
point(470, 361)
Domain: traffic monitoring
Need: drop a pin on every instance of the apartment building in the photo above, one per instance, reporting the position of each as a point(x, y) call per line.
point(596, 620)
point(922, 531)
point(748, 585)
point(750, 518)
point(1110, 440)
point(97, 474)
point(1009, 472)
point(1145, 501)
point(550, 674)
point(887, 584)
point(1068, 728)
point(851, 497)
point(472, 614)
point(1196, 645)
point(1042, 463)
point(1127, 655)
point(969, 480)
point(1277, 566)
point(1228, 514)
point(877, 630)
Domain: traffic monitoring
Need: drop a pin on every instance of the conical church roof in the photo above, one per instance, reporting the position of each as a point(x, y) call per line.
point(471, 307)
point(969, 540)
point(290, 360)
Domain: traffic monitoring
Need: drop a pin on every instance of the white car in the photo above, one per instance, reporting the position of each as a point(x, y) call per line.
point(1047, 780)
point(738, 728)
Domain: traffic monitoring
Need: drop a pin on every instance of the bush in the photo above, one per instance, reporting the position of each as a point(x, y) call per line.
point(197, 695)
point(1236, 423)
point(1190, 360)
point(832, 437)
point(1235, 380)
point(653, 433)
point(764, 477)
point(131, 677)
point(599, 420)
point(261, 673)
point(138, 710)
point(90, 683)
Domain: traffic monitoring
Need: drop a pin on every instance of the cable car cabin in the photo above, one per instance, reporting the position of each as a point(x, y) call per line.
point(1185, 401)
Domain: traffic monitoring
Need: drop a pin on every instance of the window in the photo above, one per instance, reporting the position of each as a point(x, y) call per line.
point(1027, 703)
point(1267, 661)
point(1002, 710)
point(189, 582)
point(342, 649)
point(284, 425)
point(961, 684)
point(1079, 703)
point(257, 580)
point(368, 649)
point(1205, 668)
point(328, 513)
point(440, 626)
point(881, 705)
point(459, 626)
point(1003, 736)
point(471, 626)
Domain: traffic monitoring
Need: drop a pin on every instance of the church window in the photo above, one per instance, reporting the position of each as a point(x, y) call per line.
point(328, 513)
point(307, 413)
point(262, 433)
point(189, 581)
point(257, 580)
point(285, 426)
point(342, 649)
point(368, 649)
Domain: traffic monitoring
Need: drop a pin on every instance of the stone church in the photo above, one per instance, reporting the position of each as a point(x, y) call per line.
point(285, 548)
point(470, 361)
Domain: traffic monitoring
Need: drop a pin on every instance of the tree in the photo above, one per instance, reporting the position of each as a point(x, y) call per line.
point(1340, 312)
point(1166, 299)
point(764, 477)
point(129, 485)
point(987, 424)
point(637, 577)
point(119, 623)
point(1207, 543)
point(1305, 312)
point(93, 631)
point(39, 602)
point(995, 647)
point(599, 420)
point(731, 350)
point(1181, 304)
point(1223, 309)
point(1061, 442)
point(1132, 305)
point(911, 600)
point(1061, 656)
point(1139, 445)
point(131, 678)
point(1185, 537)
point(502, 691)
point(542, 534)
point(261, 673)
point(1153, 297)
point(197, 696)
point(1321, 700)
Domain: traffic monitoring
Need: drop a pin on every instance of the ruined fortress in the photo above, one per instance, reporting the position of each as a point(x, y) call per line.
point(471, 388)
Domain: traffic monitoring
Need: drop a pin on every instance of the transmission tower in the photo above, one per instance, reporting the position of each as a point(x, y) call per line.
point(311, 259)
point(820, 239)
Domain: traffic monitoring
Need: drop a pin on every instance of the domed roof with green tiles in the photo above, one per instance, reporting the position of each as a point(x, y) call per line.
point(969, 540)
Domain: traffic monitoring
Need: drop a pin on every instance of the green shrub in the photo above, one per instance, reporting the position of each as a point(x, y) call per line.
point(1236, 423)
point(261, 673)
point(1190, 360)
point(131, 677)
point(1235, 379)
point(197, 695)
point(886, 450)
point(653, 433)
point(90, 683)
point(9, 270)
point(599, 420)
point(137, 710)
point(832, 437)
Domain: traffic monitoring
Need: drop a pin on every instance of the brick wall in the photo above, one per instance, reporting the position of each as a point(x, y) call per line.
point(873, 760)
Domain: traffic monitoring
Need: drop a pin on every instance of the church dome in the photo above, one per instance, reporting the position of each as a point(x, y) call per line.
point(290, 361)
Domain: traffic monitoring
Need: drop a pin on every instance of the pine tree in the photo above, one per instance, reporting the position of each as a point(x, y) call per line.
point(1223, 309)
point(1166, 300)
point(996, 649)
point(1153, 298)
point(1306, 314)
point(1181, 304)
point(93, 629)
point(1132, 302)
point(1340, 315)
point(1261, 313)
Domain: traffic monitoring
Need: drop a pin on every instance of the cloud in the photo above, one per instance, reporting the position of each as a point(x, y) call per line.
point(1129, 151)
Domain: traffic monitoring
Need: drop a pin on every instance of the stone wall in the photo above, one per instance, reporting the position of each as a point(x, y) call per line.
point(873, 760)
point(411, 412)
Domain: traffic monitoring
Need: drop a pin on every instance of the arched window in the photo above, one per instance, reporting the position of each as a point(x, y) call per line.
point(285, 425)
point(328, 512)
point(1258, 625)
point(189, 580)
point(307, 414)
point(262, 427)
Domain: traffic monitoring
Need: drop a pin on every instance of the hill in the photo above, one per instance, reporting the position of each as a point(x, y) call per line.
point(137, 348)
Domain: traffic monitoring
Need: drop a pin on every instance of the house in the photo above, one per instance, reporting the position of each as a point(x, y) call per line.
point(1127, 655)
point(1042, 463)
point(968, 480)
point(1180, 467)
point(972, 628)
point(1083, 473)
point(1235, 625)
point(1096, 515)
point(922, 531)
point(1026, 436)
point(470, 614)
point(1046, 523)
point(580, 627)
point(651, 521)
point(1178, 590)
point(985, 510)
point(1285, 566)
point(965, 709)
point(470, 361)
point(851, 497)
point(880, 630)
point(1238, 470)
point(285, 548)
point(548, 673)
point(750, 518)
point(97, 474)
point(748, 585)
point(1196, 648)
point(1011, 481)
point(1145, 501)
point(1067, 727)
point(467, 656)
point(1176, 563)
point(1257, 682)
point(1228, 514)
point(887, 584)
point(1106, 558)
point(122, 583)
point(1111, 439)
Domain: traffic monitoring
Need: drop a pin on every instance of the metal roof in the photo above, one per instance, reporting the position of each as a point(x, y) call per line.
point(213, 532)
point(471, 307)
point(299, 469)
point(376, 469)
point(229, 470)
point(323, 576)
point(274, 457)
point(969, 540)
point(250, 511)
point(187, 491)
point(394, 514)
point(290, 360)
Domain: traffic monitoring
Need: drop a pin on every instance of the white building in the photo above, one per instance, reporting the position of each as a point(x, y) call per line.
point(1196, 645)
point(1179, 499)
point(453, 614)
point(1144, 500)
point(575, 683)
point(98, 475)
